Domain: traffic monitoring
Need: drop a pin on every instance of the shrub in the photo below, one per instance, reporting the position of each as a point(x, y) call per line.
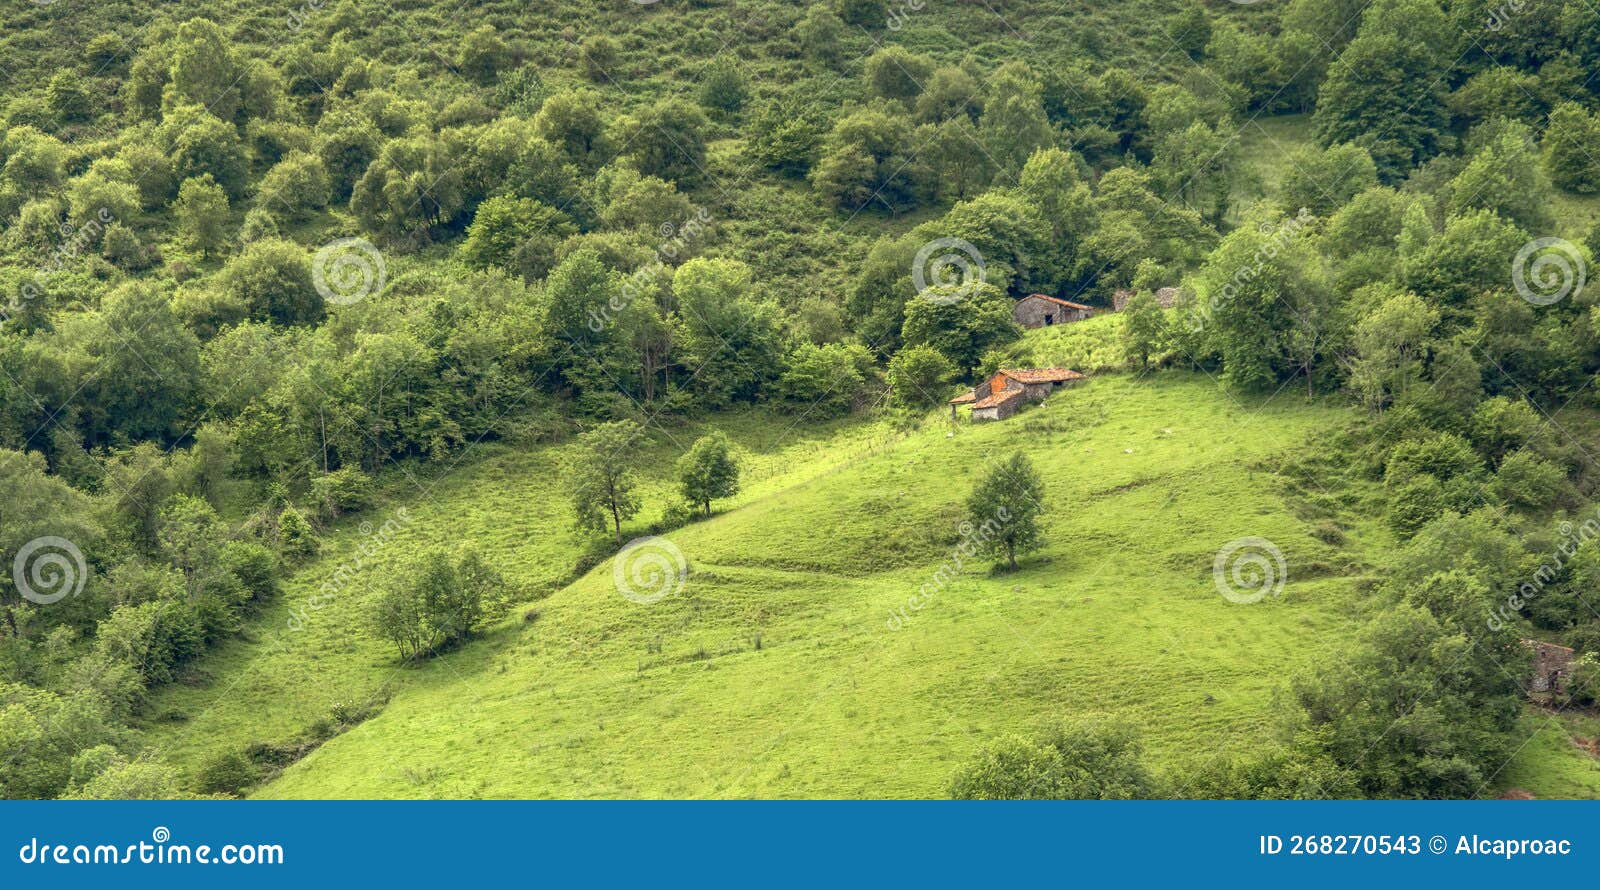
point(869, 14)
point(1526, 481)
point(1078, 761)
point(723, 88)
point(598, 56)
point(296, 538)
point(155, 638)
point(827, 379)
point(919, 376)
point(345, 490)
point(227, 773)
point(254, 565)
point(298, 183)
point(436, 603)
point(1414, 504)
point(124, 249)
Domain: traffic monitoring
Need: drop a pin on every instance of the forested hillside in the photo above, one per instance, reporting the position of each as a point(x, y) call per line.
point(514, 284)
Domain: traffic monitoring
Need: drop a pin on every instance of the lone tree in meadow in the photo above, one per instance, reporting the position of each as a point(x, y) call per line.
point(1004, 509)
point(708, 470)
point(604, 482)
point(438, 601)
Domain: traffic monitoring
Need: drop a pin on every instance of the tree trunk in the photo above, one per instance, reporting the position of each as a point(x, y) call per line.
point(1011, 554)
point(616, 522)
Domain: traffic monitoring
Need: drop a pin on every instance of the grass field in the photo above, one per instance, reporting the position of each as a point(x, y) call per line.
point(790, 664)
point(774, 671)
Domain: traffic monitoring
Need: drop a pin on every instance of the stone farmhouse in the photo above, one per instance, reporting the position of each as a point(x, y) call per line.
point(1008, 389)
point(1040, 311)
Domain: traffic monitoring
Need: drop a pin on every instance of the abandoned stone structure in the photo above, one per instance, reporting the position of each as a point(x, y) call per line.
point(1039, 311)
point(1552, 665)
point(1166, 298)
point(1008, 389)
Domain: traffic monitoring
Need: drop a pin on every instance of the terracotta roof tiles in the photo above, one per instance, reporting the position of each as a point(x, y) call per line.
point(997, 399)
point(1041, 375)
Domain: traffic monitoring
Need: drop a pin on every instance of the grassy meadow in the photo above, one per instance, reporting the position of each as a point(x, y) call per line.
point(774, 670)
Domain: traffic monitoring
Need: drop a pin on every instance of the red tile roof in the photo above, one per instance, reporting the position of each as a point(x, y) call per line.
point(970, 395)
point(1041, 375)
point(997, 399)
point(1060, 302)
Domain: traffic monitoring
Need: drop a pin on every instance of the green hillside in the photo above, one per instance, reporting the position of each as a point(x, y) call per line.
point(774, 671)
point(343, 351)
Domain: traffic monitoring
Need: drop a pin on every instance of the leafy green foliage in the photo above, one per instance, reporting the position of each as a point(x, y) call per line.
point(961, 322)
point(1078, 761)
point(919, 375)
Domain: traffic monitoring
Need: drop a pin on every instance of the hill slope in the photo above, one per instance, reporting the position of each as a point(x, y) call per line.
point(775, 671)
